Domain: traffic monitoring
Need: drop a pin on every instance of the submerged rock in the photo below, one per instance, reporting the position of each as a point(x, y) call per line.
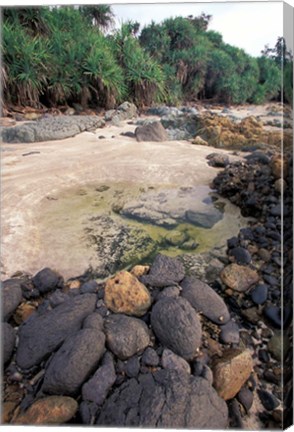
point(165, 399)
point(177, 326)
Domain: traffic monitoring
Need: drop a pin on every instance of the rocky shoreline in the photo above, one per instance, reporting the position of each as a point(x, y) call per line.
point(152, 347)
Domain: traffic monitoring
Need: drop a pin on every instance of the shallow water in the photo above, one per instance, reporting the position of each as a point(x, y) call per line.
point(70, 218)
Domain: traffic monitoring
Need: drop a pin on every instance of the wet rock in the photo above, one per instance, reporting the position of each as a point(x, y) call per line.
point(177, 326)
point(245, 397)
point(8, 341)
point(217, 160)
point(231, 372)
point(170, 360)
point(89, 287)
point(11, 296)
point(94, 321)
point(49, 410)
point(41, 335)
point(73, 362)
point(125, 294)
point(150, 357)
point(205, 300)
point(204, 220)
point(165, 399)
point(151, 132)
point(268, 400)
point(230, 333)
point(164, 271)
point(125, 335)
point(46, 280)
point(241, 255)
point(239, 278)
point(98, 387)
point(259, 294)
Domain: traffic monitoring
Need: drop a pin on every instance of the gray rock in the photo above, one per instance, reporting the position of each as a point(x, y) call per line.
point(230, 333)
point(259, 294)
point(125, 335)
point(89, 287)
point(8, 341)
point(150, 357)
point(165, 399)
point(206, 219)
point(57, 298)
point(205, 300)
point(245, 397)
point(241, 255)
point(172, 291)
point(46, 280)
point(170, 360)
point(11, 296)
point(94, 321)
point(177, 326)
point(41, 335)
point(207, 374)
point(164, 271)
point(98, 387)
point(132, 367)
point(51, 128)
point(151, 132)
point(72, 364)
point(186, 122)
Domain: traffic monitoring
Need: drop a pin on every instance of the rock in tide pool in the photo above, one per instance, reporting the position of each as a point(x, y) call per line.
point(125, 294)
point(205, 300)
point(46, 280)
point(11, 296)
point(177, 326)
point(125, 335)
point(231, 372)
point(170, 360)
point(49, 410)
point(165, 399)
point(239, 278)
point(42, 334)
point(73, 362)
point(97, 388)
point(164, 271)
point(8, 341)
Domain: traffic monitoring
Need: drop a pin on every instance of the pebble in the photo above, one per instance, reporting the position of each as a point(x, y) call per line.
point(264, 254)
point(245, 397)
point(273, 314)
point(165, 271)
point(241, 255)
point(170, 360)
point(230, 333)
point(46, 280)
point(259, 294)
point(89, 287)
point(132, 367)
point(268, 400)
point(11, 296)
point(168, 292)
point(239, 278)
point(150, 357)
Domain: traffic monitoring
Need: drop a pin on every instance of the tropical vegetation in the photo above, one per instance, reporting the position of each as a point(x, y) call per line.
point(62, 55)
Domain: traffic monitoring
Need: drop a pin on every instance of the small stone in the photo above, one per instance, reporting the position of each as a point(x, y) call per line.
point(165, 271)
point(98, 387)
point(177, 326)
point(132, 367)
point(259, 294)
point(139, 270)
point(205, 300)
point(264, 254)
point(280, 186)
point(176, 238)
point(11, 296)
point(8, 341)
point(89, 287)
point(74, 284)
point(49, 410)
point(241, 255)
point(231, 372)
point(245, 397)
point(251, 315)
point(239, 278)
point(46, 280)
point(150, 357)
point(278, 345)
point(57, 298)
point(94, 321)
point(169, 292)
point(217, 160)
point(126, 336)
point(273, 314)
point(230, 333)
point(125, 294)
point(268, 400)
point(170, 360)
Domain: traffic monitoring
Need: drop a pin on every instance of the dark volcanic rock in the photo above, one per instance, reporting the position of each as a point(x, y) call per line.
point(269, 401)
point(150, 357)
point(245, 397)
point(273, 313)
point(11, 296)
point(97, 388)
point(241, 255)
point(230, 332)
point(259, 294)
point(170, 360)
point(151, 132)
point(125, 335)
point(164, 271)
point(46, 280)
point(89, 287)
point(8, 341)
point(132, 367)
point(177, 326)
point(165, 399)
point(217, 160)
point(41, 335)
point(205, 300)
point(73, 362)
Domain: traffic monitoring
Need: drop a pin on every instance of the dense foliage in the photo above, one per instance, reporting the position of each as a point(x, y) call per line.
point(67, 54)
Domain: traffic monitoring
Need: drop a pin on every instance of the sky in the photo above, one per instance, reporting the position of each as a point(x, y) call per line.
point(249, 25)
